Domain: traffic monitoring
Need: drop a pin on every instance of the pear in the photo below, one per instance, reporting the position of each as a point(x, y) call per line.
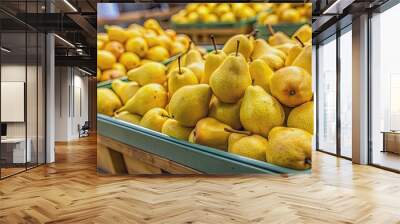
point(279, 38)
point(190, 104)
point(197, 69)
point(125, 90)
point(304, 59)
point(304, 33)
point(193, 56)
point(231, 78)
point(302, 117)
point(253, 146)
point(273, 61)
point(174, 129)
point(146, 98)
point(180, 77)
point(260, 111)
point(246, 45)
point(261, 48)
point(107, 101)
point(213, 60)
point(191, 136)
point(227, 113)
point(285, 47)
point(212, 133)
point(291, 86)
point(128, 117)
point(292, 54)
point(154, 119)
point(289, 147)
point(151, 72)
point(261, 73)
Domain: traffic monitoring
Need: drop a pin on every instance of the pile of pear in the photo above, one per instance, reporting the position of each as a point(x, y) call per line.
point(121, 49)
point(249, 98)
point(279, 13)
point(218, 12)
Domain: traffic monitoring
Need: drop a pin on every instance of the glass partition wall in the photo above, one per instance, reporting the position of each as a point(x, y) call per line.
point(334, 93)
point(22, 77)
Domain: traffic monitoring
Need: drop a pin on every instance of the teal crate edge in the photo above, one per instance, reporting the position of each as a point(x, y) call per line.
point(202, 158)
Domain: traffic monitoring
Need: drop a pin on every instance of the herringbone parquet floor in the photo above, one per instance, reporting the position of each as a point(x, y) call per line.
point(70, 191)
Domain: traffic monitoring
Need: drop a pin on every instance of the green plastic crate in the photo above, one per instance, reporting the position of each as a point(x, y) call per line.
point(202, 158)
point(220, 25)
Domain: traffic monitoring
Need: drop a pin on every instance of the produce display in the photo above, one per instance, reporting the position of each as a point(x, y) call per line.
point(218, 12)
point(252, 98)
point(123, 49)
point(286, 13)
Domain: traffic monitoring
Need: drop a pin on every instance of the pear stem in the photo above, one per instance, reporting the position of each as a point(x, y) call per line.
point(213, 41)
point(237, 132)
point(308, 161)
point(292, 92)
point(298, 39)
point(270, 29)
point(237, 47)
point(179, 65)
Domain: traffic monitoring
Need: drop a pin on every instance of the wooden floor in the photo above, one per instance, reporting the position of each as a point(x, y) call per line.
point(70, 191)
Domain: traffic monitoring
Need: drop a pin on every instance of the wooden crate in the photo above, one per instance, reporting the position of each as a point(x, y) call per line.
point(114, 157)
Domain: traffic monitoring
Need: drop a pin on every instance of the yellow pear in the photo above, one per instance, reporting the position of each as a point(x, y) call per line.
point(105, 59)
point(137, 45)
point(245, 48)
point(193, 56)
point(154, 119)
point(291, 86)
point(190, 103)
point(191, 137)
point(227, 113)
point(107, 101)
point(279, 38)
point(304, 59)
point(177, 48)
point(212, 133)
point(198, 69)
point(285, 47)
point(129, 60)
point(302, 117)
point(125, 90)
point(231, 78)
point(174, 129)
point(157, 53)
point(180, 77)
point(260, 111)
point(128, 117)
point(98, 74)
point(213, 60)
point(261, 73)
point(304, 33)
point(273, 61)
point(289, 147)
point(292, 54)
point(146, 98)
point(151, 72)
point(116, 33)
point(253, 146)
point(261, 48)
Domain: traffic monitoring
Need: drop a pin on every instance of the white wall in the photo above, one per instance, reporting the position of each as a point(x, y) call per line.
point(71, 94)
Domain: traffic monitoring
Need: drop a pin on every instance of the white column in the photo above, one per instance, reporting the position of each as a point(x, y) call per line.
point(360, 90)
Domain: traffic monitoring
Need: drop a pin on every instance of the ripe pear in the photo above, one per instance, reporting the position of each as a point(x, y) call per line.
point(107, 101)
point(180, 77)
point(253, 146)
point(227, 113)
point(279, 38)
point(246, 45)
point(128, 117)
point(190, 103)
point(193, 56)
point(212, 133)
point(291, 86)
point(213, 60)
point(273, 61)
point(289, 147)
point(157, 53)
point(304, 59)
point(261, 73)
point(260, 111)
point(191, 136)
point(125, 90)
point(174, 129)
point(261, 48)
point(151, 72)
point(286, 47)
point(198, 69)
point(304, 33)
point(154, 119)
point(137, 45)
point(146, 98)
point(302, 117)
point(231, 78)
point(292, 54)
